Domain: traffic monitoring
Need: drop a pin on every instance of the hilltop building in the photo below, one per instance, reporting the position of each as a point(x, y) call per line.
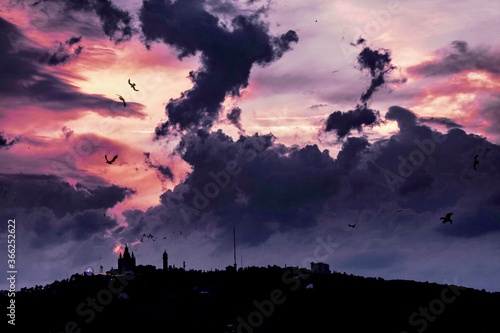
point(165, 260)
point(126, 262)
point(320, 268)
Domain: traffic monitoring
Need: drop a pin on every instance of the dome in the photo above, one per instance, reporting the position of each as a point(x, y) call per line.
point(89, 271)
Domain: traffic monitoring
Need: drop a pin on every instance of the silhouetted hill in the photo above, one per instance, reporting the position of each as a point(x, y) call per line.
point(255, 299)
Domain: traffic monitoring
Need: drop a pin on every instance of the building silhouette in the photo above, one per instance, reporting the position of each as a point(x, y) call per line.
point(126, 262)
point(320, 268)
point(165, 260)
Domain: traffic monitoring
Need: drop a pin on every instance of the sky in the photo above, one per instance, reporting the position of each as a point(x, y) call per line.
point(286, 121)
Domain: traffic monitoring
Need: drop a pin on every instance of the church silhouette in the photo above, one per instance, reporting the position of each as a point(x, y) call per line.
point(126, 262)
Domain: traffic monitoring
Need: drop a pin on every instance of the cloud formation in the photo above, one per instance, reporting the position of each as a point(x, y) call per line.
point(378, 63)
point(234, 117)
point(63, 52)
point(26, 83)
point(51, 192)
point(115, 22)
point(227, 56)
point(459, 57)
point(264, 188)
point(342, 123)
point(6, 143)
point(440, 121)
point(164, 172)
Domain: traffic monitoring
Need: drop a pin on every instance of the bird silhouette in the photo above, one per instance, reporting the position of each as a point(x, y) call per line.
point(123, 100)
point(112, 160)
point(353, 225)
point(446, 218)
point(132, 85)
point(476, 162)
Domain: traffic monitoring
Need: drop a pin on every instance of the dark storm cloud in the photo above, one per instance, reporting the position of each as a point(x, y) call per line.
point(349, 156)
point(261, 185)
point(405, 118)
point(82, 225)
point(43, 229)
point(164, 171)
point(359, 41)
point(440, 121)
point(342, 123)
point(378, 63)
point(230, 7)
point(488, 109)
point(63, 52)
point(234, 117)
point(460, 58)
point(24, 81)
point(7, 143)
point(29, 191)
point(73, 40)
point(264, 188)
point(227, 56)
point(115, 22)
point(420, 162)
point(49, 211)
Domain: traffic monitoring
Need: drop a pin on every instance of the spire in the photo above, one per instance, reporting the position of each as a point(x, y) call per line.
point(126, 254)
point(234, 245)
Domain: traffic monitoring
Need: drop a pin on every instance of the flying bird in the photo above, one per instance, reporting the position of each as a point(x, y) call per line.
point(476, 162)
point(132, 85)
point(353, 225)
point(123, 100)
point(446, 218)
point(112, 160)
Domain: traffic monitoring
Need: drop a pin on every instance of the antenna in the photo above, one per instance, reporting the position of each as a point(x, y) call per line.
point(101, 269)
point(234, 245)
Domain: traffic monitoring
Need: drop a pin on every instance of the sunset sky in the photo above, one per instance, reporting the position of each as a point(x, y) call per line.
point(287, 120)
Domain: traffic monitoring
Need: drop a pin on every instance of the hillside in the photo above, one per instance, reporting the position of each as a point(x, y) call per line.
point(272, 299)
